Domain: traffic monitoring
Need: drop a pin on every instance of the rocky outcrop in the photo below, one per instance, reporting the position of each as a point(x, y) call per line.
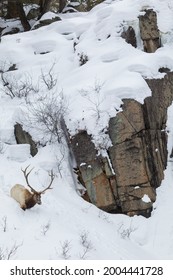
point(12, 31)
point(130, 36)
point(33, 13)
point(95, 172)
point(149, 31)
point(44, 22)
point(23, 137)
point(126, 181)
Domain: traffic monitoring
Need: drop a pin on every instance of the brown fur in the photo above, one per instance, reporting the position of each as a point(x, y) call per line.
point(24, 197)
point(27, 199)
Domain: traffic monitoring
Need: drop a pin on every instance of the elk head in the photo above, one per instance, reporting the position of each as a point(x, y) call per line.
point(27, 199)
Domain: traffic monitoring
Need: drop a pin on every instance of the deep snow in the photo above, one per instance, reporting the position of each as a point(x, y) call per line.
point(66, 226)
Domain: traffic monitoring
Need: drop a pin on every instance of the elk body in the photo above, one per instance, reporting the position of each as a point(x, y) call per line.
point(27, 199)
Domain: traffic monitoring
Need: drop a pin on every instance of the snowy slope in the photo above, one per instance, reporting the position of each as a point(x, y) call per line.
point(66, 226)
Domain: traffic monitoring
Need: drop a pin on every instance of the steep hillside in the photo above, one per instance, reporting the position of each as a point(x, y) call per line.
point(77, 76)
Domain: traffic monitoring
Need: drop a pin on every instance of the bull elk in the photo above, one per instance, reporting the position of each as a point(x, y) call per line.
point(27, 199)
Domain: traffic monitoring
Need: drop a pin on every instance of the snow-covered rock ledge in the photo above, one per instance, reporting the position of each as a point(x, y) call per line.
point(138, 154)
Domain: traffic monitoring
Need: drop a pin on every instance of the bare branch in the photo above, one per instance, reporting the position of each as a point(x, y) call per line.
point(45, 228)
point(87, 245)
point(65, 250)
point(49, 114)
point(49, 79)
point(4, 223)
point(7, 254)
point(15, 88)
point(94, 96)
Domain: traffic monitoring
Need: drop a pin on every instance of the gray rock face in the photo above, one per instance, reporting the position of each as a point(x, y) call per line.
point(149, 31)
point(130, 36)
point(127, 122)
point(44, 22)
point(95, 171)
point(23, 137)
point(127, 181)
point(33, 13)
point(13, 30)
point(138, 154)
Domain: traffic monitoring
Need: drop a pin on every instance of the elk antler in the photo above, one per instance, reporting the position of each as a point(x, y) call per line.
point(26, 177)
point(52, 176)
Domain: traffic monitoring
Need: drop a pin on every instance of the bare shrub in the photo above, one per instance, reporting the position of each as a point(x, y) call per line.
point(2, 254)
point(45, 228)
point(65, 250)
point(4, 223)
point(14, 87)
point(8, 253)
point(86, 244)
point(125, 232)
point(104, 216)
point(94, 96)
point(83, 58)
point(46, 109)
point(17, 88)
point(48, 112)
point(49, 79)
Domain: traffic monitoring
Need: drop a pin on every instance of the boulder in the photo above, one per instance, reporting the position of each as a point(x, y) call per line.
point(23, 137)
point(10, 31)
point(44, 22)
point(129, 36)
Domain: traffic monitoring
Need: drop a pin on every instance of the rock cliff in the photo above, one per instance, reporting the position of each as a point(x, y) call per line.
point(126, 180)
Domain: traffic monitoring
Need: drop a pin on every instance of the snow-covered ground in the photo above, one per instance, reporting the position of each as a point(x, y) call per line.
point(66, 226)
